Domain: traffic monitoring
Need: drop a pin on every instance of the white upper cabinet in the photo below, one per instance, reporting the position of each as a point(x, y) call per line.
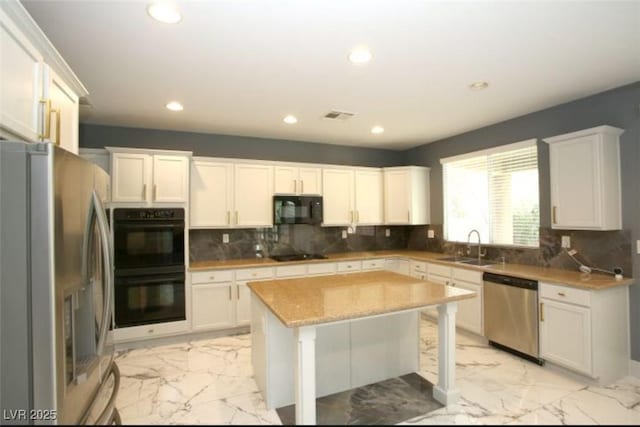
point(352, 196)
point(368, 200)
point(211, 193)
point(130, 173)
point(61, 112)
point(138, 177)
point(20, 82)
point(37, 103)
point(406, 195)
point(297, 180)
point(585, 179)
point(253, 195)
point(170, 178)
point(337, 192)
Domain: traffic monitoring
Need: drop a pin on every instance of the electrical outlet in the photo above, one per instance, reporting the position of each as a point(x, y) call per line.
point(387, 232)
point(566, 241)
point(344, 234)
point(431, 234)
point(225, 237)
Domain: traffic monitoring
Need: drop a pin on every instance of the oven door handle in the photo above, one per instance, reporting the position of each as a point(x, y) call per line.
point(142, 224)
point(106, 245)
point(158, 280)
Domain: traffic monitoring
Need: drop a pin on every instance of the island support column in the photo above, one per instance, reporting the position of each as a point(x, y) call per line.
point(305, 375)
point(446, 392)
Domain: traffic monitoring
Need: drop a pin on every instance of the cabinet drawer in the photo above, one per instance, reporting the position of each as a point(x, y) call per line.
point(373, 264)
point(347, 266)
point(418, 266)
point(565, 294)
point(291, 270)
point(470, 276)
point(440, 270)
point(211, 276)
point(321, 268)
point(254, 273)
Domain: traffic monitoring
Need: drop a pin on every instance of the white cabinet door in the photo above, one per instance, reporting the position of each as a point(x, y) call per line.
point(253, 195)
point(565, 335)
point(285, 180)
point(63, 111)
point(337, 190)
point(20, 82)
point(211, 201)
point(310, 181)
point(368, 197)
point(212, 306)
point(469, 315)
point(170, 178)
point(243, 304)
point(396, 197)
point(130, 174)
point(575, 195)
point(585, 179)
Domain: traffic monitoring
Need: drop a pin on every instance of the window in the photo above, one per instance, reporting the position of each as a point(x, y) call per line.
point(494, 191)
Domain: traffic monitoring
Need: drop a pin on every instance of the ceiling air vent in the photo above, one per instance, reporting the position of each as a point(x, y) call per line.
point(338, 115)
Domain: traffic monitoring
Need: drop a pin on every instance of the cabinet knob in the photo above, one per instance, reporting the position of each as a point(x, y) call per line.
point(561, 294)
point(212, 277)
point(150, 331)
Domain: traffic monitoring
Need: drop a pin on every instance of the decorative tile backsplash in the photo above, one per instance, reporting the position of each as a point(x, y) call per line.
point(283, 239)
point(603, 249)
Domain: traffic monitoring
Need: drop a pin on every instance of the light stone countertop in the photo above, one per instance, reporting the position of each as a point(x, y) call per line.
point(544, 274)
point(322, 299)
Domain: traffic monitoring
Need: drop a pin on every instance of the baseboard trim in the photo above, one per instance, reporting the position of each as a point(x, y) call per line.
point(634, 368)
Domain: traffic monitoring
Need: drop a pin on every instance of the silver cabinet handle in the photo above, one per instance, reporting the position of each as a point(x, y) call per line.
point(301, 186)
point(237, 218)
point(357, 216)
point(542, 312)
point(155, 192)
point(351, 215)
point(228, 218)
point(295, 186)
point(144, 191)
point(409, 216)
point(238, 292)
point(229, 288)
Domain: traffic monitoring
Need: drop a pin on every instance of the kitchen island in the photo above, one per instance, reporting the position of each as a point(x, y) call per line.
point(316, 336)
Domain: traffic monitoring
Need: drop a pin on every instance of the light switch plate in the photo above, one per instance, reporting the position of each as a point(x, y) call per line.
point(431, 234)
point(225, 237)
point(387, 232)
point(566, 241)
point(344, 234)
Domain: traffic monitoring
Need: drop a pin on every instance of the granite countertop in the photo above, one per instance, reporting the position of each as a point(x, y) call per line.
point(544, 274)
point(322, 299)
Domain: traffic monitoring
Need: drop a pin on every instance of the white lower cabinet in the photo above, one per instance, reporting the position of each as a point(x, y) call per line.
point(212, 306)
point(397, 265)
point(585, 330)
point(243, 304)
point(469, 315)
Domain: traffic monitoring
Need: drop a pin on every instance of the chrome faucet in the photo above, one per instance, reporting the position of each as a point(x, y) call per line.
point(480, 253)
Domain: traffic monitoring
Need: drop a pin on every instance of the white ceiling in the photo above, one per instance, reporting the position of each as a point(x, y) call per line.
point(240, 66)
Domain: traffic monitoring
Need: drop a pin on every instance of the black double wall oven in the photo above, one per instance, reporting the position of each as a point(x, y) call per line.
point(149, 259)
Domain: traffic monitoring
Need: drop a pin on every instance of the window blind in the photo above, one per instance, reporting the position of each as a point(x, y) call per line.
point(495, 192)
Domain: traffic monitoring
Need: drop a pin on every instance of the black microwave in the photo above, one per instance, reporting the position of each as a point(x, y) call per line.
point(297, 210)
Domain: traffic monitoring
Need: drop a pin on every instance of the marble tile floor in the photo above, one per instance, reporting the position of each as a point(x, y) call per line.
point(210, 382)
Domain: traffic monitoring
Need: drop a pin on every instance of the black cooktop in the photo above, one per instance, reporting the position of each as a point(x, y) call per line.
point(296, 257)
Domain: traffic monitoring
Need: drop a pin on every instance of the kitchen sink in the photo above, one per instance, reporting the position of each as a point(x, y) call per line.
point(479, 262)
point(469, 261)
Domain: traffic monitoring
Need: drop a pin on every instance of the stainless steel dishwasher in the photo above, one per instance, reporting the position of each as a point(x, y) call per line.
point(511, 315)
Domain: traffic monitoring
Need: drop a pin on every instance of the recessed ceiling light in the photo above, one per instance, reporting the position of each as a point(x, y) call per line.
point(360, 55)
point(290, 120)
point(478, 85)
point(174, 106)
point(164, 12)
point(377, 130)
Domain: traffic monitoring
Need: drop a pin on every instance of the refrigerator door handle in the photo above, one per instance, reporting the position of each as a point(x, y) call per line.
point(105, 240)
point(110, 412)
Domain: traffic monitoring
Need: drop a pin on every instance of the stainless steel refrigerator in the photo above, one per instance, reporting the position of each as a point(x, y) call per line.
point(56, 289)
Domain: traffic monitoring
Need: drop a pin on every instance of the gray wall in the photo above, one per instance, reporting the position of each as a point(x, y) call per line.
point(99, 136)
point(619, 107)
